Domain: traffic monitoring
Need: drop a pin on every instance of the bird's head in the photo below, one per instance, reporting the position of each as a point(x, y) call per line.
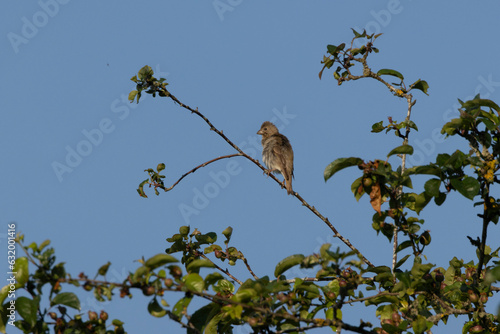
point(267, 129)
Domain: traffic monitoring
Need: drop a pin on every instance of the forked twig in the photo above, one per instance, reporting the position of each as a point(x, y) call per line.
point(157, 185)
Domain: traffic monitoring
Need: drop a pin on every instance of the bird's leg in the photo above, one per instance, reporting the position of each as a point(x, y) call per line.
point(269, 171)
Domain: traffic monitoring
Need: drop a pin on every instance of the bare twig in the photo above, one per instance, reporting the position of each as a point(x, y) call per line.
point(248, 267)
point(219, 268)
point(196, 168)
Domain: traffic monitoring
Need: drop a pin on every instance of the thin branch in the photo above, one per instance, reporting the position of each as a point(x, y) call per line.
point(219, 268)
point(367, 73)
point(28, 255)
point(486, 221)
point(189, 324)
point(256, 162)
point(336, 233)
point(196, 168)
point(400, 190)
point(249, 269)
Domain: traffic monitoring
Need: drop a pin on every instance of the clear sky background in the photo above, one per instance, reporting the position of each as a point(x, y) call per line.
point(66, 67)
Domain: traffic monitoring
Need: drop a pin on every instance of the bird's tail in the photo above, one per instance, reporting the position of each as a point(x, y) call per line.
point(288, 185)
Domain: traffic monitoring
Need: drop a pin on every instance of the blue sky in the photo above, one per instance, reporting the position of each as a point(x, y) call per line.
point(66, 67)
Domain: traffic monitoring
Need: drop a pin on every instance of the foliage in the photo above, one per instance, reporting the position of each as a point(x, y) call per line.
point(412, 296)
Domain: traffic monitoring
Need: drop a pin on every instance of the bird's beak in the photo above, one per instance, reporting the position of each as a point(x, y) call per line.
point(260, 132)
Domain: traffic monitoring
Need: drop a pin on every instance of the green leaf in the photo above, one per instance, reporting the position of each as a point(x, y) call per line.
point(208, 238)
point(27, 309)
point(394, 73)
point(224, 287)
point(329, 314)
point(228, 232)
point(117, 322)
point(492, 275)
point(424, 170)
point(159, 260)
point(412, 125)
point(403, 149)
point(468, 187)
point(211, 248)
point(340, 164)
point(207, 318)
point(288, 263)
point(213, 278)
point(155, 309)
point(440, 198)
point(382, 299)
point(181, 305)
point(145, 73)
point(104, 269)
point(432, 187)
point(419, 201)
point(477, 103)
point(419, 325)
point(140, 190)
point(244, 295)
point(333, 50)
point(160, 167)
point(184, 231)
point(195, 265)
point(451, 127)
point(194, 282)
point(421, 85)
point(4, 317)
point(402, 261)
point(419, 269)
point(43, 245)
point(403, 245)
point(378, 127)
point(132, 95)
point(66, 298)
point(22, 271)
point(213, 324)
point(358, 35)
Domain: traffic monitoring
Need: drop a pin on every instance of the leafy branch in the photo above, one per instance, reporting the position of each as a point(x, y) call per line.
point(346, 58)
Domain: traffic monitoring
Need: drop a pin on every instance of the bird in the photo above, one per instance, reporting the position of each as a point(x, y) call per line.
point(277, 153)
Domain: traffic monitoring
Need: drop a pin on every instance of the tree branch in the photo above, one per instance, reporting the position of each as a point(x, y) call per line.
point(220, 269)
point(195, 169)
point(256, 162)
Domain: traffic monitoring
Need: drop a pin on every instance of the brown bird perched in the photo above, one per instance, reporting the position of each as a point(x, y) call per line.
point(277, 153)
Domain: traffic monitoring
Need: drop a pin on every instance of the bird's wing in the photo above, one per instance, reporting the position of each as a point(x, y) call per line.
point(284, 153)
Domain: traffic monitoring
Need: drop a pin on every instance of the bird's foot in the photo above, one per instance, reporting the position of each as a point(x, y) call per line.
point(268, 171)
